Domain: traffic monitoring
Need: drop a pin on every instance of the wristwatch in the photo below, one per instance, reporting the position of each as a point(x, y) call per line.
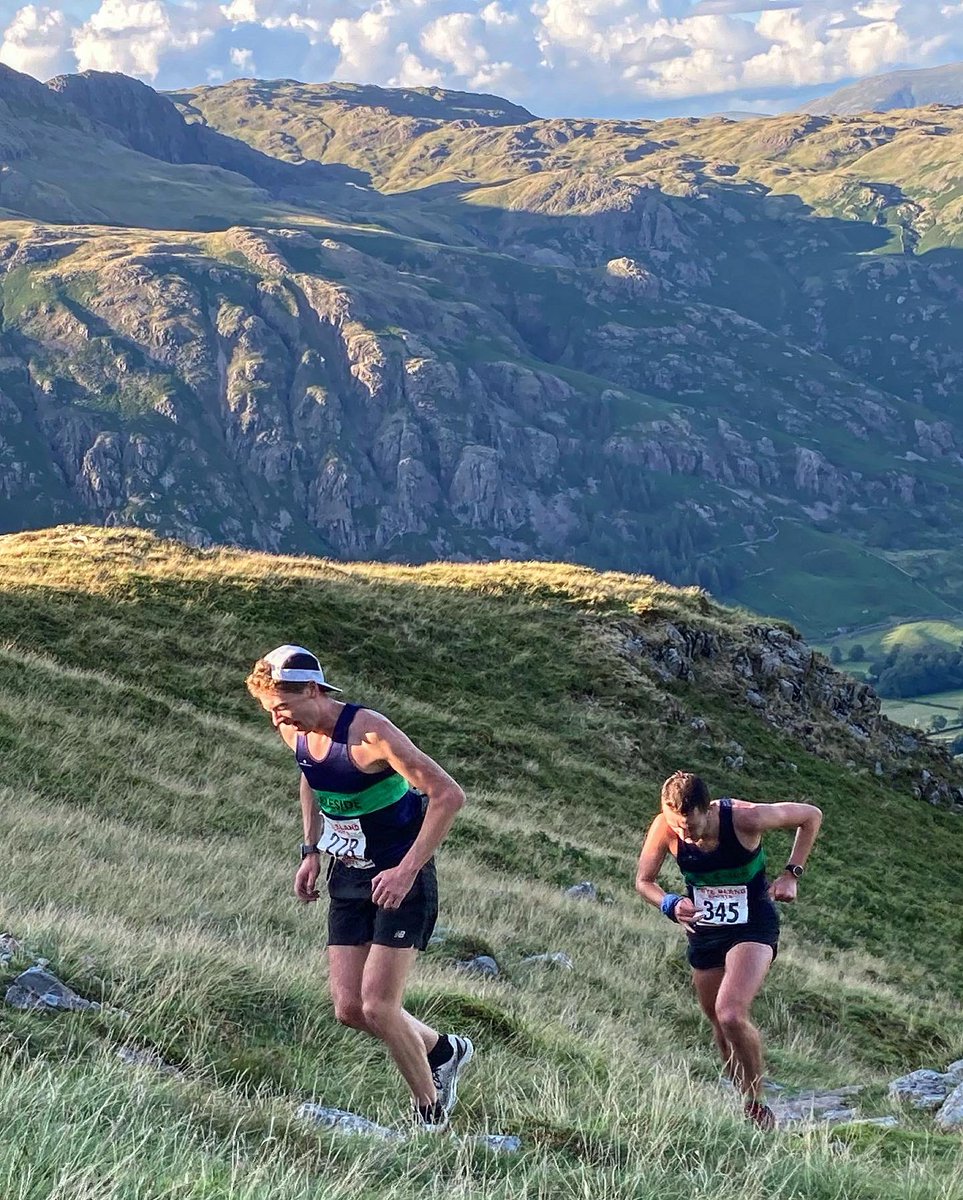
point(795, 870)
point(308, 848)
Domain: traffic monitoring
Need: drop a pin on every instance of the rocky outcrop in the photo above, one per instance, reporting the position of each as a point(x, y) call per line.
point(770, 670)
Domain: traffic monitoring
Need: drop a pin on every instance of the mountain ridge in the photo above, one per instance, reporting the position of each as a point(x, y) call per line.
point(723, 352)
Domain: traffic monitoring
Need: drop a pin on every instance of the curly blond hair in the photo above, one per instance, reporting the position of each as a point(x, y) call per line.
point(261, 682)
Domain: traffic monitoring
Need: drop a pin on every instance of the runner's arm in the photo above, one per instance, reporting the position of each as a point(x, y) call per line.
point(804, 818)
point(445, 797)
point(654, 849)
point(310, 816)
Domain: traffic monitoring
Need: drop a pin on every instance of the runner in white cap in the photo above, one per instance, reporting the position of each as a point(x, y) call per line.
point(377, 808)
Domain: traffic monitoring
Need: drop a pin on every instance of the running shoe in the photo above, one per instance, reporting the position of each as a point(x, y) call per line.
point(430, 1118)
point(446, 1076)
point(760, 1114)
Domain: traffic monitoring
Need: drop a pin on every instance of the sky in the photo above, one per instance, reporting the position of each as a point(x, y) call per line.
point(606, 58)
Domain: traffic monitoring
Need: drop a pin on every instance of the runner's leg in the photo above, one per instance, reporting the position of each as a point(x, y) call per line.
point(345, 972)
point(707, 984)
point(747, 964)
point(382, 991)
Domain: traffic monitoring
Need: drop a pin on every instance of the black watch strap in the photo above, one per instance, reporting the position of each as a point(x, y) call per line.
point(795, 870)
point(308, 848)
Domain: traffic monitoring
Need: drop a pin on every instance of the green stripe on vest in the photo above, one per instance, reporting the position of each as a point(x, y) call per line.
point(359, 804)
point(729, 875)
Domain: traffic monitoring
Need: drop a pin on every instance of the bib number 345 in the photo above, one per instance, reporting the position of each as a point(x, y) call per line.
point(721, 905)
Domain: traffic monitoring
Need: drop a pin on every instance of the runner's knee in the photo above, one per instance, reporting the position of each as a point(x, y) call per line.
point(378, 1013)
point(349, 1011)
point(731, 1018)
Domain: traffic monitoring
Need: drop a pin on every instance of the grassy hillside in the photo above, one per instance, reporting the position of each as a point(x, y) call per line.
point(149, 816)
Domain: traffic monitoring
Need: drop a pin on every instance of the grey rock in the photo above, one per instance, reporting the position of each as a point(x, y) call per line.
point(347, 1122)
point(955, 1071)
point(825, 1108)
point(950, 1116)
point(501, 1143)
point(558, 959)
point(582, 891)
point(878, 768)
point(132, 1056)
point(756, 699)
point(879, 1122)
point(698, 724)
point(787, 689)
point(37, 988)
point(922, 1089)
point(735, 762)
point(481, 964)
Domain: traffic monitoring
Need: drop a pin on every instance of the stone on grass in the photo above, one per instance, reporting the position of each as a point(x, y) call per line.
point(132, 1056)
point(347, 1122)
point(481, 964)
point(582, 891)
point(879, 1122)
point(501, 1143)
point(558, 959)
point(923, 1089)
point(825, 1108)
point(37, 988)
point(950, 1116)
point(955, 1072)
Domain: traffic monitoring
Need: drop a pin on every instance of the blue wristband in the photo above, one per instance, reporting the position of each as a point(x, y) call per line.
point(668, 905)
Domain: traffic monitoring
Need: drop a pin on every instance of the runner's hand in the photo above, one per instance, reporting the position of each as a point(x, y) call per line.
point(389, 888)
point(306, 880)
point(686, 914)
point(783, 888)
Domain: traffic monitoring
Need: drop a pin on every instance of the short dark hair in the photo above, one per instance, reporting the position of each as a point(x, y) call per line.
point(684, 793)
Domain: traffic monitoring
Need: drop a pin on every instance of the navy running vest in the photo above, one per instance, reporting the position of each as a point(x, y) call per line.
point(389, 810)
point(729, 863)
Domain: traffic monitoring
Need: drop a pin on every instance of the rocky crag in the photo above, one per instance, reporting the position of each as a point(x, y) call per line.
point(445, 328)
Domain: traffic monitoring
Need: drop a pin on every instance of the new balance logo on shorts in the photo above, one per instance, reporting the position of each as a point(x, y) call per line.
point(400, 933)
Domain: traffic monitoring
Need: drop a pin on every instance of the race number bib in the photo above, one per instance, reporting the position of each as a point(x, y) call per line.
point(343, 839)
point(719, 906)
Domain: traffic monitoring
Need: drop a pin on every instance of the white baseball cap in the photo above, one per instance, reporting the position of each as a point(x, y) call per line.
point(294, 664)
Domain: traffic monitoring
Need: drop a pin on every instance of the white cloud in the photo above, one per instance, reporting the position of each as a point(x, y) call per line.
point(243, 60)
point(134, 36)
point(590, 56)
point(37, 41)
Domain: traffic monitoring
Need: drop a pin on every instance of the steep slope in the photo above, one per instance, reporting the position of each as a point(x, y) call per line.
point(896, 89)
point(560, 698)
point(61, 166)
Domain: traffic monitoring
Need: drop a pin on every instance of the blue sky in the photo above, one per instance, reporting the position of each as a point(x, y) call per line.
point(618, 58)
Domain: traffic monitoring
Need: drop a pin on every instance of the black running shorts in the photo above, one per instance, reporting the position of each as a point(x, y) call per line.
point(708, 947)
point(354, 920)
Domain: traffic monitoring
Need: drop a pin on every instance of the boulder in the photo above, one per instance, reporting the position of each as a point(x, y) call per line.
point(922, 1089)
point(37, 988)
point(950, 1116)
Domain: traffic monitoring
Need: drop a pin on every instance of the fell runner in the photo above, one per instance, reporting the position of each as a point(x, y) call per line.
point(368, 826)
point(728, 912)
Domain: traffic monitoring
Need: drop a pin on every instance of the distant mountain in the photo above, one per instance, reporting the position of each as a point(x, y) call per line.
point(411, 324)
point(897, 89)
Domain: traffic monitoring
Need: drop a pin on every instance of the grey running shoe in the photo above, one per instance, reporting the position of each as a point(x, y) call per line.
point(446, 1076)
point(430, 1118)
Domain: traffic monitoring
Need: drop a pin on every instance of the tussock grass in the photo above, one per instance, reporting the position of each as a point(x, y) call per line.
point(149, 817)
